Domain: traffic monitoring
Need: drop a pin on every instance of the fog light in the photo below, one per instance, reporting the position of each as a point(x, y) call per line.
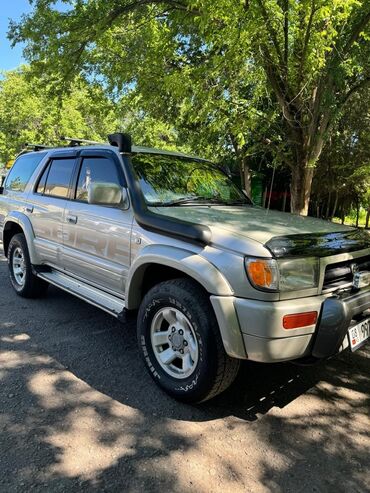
point(297, 320)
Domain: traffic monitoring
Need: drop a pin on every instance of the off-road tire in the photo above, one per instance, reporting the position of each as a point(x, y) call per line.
point(32, 287)
point(215, 370)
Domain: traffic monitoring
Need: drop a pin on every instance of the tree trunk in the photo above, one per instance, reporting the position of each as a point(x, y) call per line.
point(246, 176)
point(357, 212)
point(301, 189)
point(317, 203)
point(335, 205)
point(264, 198)
point(284, 200)
point(367, 218)
point(328, 206)
point(307, 146)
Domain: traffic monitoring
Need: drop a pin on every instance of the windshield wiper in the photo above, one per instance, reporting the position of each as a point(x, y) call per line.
point(182, 200)
point(197, 199)
point(238, 202)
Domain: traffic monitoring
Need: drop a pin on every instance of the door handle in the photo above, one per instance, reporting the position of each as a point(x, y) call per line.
point(28, 208)
point(71, 219)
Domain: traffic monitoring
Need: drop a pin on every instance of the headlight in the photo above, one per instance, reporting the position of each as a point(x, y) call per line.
point(297, 274)
point(283, 274)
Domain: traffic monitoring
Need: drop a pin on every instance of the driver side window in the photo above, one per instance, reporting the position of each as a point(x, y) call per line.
point(95, 169)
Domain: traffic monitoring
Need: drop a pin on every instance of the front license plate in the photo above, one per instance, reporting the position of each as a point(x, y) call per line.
point(358, 334)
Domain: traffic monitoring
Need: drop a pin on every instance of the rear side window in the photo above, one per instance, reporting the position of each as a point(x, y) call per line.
point(56, 178)
point(42, 180)
point(96, 169)
point(22, 170)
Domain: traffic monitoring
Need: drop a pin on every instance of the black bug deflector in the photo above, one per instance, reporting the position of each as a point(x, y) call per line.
point(318, 244)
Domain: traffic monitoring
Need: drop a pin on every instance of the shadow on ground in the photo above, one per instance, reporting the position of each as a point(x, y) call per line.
point(80, 412)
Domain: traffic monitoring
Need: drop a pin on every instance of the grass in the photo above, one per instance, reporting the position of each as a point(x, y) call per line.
point(350, 220)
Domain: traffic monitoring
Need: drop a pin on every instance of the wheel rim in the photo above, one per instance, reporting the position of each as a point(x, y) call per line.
point(19, 266)
point(174, 342)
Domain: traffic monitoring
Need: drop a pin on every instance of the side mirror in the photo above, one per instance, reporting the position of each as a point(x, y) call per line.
point(106, 194)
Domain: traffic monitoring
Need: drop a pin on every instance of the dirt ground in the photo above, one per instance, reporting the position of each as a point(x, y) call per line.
point(80, 413)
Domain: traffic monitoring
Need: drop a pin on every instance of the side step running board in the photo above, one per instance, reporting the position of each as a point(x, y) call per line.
point(107, 302)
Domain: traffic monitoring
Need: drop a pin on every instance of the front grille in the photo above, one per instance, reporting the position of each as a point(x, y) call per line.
point(341, 274)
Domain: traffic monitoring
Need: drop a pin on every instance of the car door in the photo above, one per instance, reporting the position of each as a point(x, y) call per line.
point(46, 204)
point(96, 238)
point(15, 190)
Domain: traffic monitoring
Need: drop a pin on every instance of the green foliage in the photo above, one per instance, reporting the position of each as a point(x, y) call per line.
point(161, 60)
point(30, 113)
point(147, 129)
point(344, 167)
point(351, 219)
point(228, 75)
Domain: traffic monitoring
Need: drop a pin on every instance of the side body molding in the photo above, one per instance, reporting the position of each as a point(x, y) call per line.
point(188, 262)
point(23, 221)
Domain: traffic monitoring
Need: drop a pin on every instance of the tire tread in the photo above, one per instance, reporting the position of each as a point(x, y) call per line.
point(227, 367)
point(34, 287)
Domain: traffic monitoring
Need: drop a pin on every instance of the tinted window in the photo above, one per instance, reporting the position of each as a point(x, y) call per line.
point(59, 177)
point(167, 180)
point(22, 170)
point(100, 170)
point(42, 181)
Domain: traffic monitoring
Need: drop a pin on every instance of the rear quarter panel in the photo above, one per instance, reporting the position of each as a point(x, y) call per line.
point(10, 201)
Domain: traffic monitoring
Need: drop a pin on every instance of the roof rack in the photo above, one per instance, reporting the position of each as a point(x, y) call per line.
point(120, 140)
point(35, 147)
point(77, 142)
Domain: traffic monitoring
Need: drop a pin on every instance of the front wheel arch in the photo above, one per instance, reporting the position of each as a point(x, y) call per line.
point(169, 263)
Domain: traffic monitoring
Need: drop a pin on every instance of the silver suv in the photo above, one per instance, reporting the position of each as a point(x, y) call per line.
point(213, 278)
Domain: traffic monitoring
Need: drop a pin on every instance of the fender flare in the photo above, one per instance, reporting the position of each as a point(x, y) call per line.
point(186, 261)
point(23, 221)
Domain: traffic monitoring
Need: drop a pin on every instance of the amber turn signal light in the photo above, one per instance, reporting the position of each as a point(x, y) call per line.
point(297, 320)
point(262, 273)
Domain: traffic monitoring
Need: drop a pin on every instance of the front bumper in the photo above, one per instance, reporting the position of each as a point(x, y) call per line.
point(253, 329)
point(336, 317)
point(261, 324)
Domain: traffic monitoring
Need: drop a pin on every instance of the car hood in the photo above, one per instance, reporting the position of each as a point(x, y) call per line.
point(251, 222)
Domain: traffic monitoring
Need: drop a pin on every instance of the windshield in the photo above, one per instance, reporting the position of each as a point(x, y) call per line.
point(171, 180)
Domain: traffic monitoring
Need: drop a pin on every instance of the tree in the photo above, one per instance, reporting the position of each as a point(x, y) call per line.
point(145, 129)
point(213, 105)
point(342, 179)
point(315, 62)
point(214, 63)
point(30, 113)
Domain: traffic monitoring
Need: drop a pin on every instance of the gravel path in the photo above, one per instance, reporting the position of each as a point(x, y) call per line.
point(79, 413)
